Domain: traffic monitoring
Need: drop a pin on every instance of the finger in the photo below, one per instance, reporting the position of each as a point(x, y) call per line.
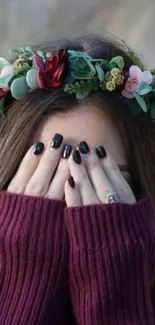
point(79, 173)
point(72, 195)
point(39, 182)
point(117, 180)
point(99, 180)
point(56, 188)
point(26, 168)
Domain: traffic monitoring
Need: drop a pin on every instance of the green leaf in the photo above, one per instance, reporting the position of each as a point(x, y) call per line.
point(144, 89)
point(23, 70)
point(3, 63)
point(81, 66)
point(48, 54)
point(22, 49)
point(68, 89)
point(31, 79)
point(69, 79)
point(41, 54)
point(133, 106)
point(29, 49)
point(141, 102)
point(30, 57)
point(79, 54)
point(2, 106)
point(152, 110)
point(12, 79)
point(152, 105)
point(21, 56)
point(152, 114)
point(81, 75)
point(14, 51)
point(82, 95)
point(118, 62)
point(100, 72)
point(5, 80)
point(19, 88)
point(106, 65)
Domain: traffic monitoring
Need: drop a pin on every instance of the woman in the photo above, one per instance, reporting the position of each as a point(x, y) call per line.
point(77, 175)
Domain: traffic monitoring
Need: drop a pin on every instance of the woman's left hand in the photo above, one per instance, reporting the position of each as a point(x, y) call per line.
point(95, 179)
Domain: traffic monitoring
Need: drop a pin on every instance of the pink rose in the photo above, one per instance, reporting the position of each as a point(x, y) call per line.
point(136, 77)
point(131, 84)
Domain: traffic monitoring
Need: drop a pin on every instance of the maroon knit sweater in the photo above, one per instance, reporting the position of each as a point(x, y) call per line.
point(106, 251)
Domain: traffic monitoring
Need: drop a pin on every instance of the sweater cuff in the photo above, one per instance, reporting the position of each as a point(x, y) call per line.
point(33, 260)
point(29, 212)
point(93, 225)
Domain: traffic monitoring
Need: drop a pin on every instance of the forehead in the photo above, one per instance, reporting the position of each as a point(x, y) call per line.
point(85, 123)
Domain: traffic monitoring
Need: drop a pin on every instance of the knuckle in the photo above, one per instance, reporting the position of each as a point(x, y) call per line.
point(126, 194)
point(63, 167)
point(93, 162)
point(47, 195)
point(82, 180)
point(52, 153)
point(35, 188)
point(30, 156)
point(51, 195)
point(113, 165)
point(15, 189)
point(29, 162)
point(83, 176)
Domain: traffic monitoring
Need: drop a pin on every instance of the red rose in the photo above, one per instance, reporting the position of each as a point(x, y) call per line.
point(51, 73)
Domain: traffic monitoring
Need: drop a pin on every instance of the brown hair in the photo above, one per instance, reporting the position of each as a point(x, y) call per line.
point(23, 117)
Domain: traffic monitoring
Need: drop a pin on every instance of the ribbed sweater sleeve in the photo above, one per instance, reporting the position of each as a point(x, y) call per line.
point(112, 263)
point(33, 265)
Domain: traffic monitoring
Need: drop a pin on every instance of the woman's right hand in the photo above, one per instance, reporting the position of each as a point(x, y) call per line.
point(42, 172)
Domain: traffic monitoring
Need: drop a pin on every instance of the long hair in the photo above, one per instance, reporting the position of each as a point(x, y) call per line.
point(23, 117)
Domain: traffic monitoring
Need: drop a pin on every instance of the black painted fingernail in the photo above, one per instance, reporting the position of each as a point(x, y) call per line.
point(100, 151)
point(83, 147)
point(67, 151)
point(77, 157)
point(38, 148)
point(71, 182)
point(56, 141)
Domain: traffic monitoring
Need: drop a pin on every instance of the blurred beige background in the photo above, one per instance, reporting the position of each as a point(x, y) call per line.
point(25, 22)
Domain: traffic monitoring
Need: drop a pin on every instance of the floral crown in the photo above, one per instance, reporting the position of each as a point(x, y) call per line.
point(77, 73)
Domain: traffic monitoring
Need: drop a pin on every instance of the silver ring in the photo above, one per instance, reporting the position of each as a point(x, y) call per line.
point(111, 198)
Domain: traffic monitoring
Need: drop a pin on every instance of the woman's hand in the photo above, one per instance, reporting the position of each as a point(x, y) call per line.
point(95, 178)
point(42, 171)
